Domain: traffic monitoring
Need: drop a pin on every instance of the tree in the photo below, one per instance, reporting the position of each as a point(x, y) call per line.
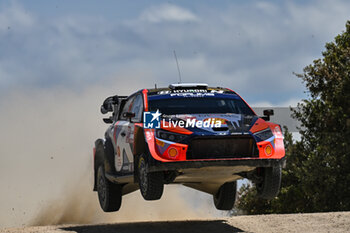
point(317, 176)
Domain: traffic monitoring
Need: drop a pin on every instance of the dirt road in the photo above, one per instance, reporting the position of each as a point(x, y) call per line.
point(317, 222)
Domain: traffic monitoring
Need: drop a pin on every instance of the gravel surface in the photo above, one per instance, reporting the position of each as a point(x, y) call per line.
point(316, 222)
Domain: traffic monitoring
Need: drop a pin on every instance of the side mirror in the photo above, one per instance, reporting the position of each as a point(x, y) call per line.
point(107, 105)
point(129, 114)
point(267, 113)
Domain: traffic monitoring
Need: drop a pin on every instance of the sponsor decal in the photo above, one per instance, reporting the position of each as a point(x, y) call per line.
point(268, 150)
point(189, 91)
point(160, 143)
point(172, 152)
point(149, 136)
point(190, 94)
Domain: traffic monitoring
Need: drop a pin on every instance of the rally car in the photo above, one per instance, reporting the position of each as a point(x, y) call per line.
point(202, 137)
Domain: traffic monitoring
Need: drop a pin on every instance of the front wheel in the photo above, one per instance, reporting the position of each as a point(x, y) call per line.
point(151, 183)
point(225, 197)
point(269, 185)
point(109, 194)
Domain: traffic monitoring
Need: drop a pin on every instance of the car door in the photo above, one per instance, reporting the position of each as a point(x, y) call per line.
point(124, 158)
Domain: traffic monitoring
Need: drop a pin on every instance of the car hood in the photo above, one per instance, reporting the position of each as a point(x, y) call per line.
point(223, 124)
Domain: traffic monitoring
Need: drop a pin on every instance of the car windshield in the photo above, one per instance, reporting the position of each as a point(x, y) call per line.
point(173, 106)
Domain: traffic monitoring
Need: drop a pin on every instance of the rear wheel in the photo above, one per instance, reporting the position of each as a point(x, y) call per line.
point(109, 194)
point(225, 198)
point(151, 183)
point(270, 183)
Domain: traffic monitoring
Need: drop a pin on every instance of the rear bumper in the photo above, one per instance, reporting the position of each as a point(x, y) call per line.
point(177, 165)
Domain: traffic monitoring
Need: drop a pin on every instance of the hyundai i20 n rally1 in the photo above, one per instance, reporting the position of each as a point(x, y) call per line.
point(202, 137)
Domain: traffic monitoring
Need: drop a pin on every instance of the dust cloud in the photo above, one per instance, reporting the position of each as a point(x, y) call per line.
point(46, 140)
point(80, 205)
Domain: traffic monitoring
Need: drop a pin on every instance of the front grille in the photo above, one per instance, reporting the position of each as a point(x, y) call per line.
point(226, 147)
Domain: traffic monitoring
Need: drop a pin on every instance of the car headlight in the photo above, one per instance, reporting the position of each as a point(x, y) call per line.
point(263, 135)
point(169, 136)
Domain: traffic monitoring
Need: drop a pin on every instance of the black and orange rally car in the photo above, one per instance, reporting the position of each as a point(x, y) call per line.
point(203, 137)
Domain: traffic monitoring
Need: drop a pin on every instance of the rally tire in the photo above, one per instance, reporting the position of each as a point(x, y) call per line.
point(151, 183)
point(270, 185)
point(109, 194)
point(225, 197)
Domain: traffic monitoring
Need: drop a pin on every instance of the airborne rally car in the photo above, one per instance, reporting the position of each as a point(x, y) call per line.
point(202, 137)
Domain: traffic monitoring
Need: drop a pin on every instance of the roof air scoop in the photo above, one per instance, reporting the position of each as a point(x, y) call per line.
point(188, 86)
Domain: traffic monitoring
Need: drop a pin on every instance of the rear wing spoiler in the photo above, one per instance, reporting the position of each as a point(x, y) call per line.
point(112, 104)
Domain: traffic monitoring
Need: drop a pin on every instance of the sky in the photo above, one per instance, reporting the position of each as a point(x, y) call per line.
point(252, 47)
point(60, 59)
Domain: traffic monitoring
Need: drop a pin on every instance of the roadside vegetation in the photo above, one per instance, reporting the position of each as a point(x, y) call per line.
point(317, 175)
